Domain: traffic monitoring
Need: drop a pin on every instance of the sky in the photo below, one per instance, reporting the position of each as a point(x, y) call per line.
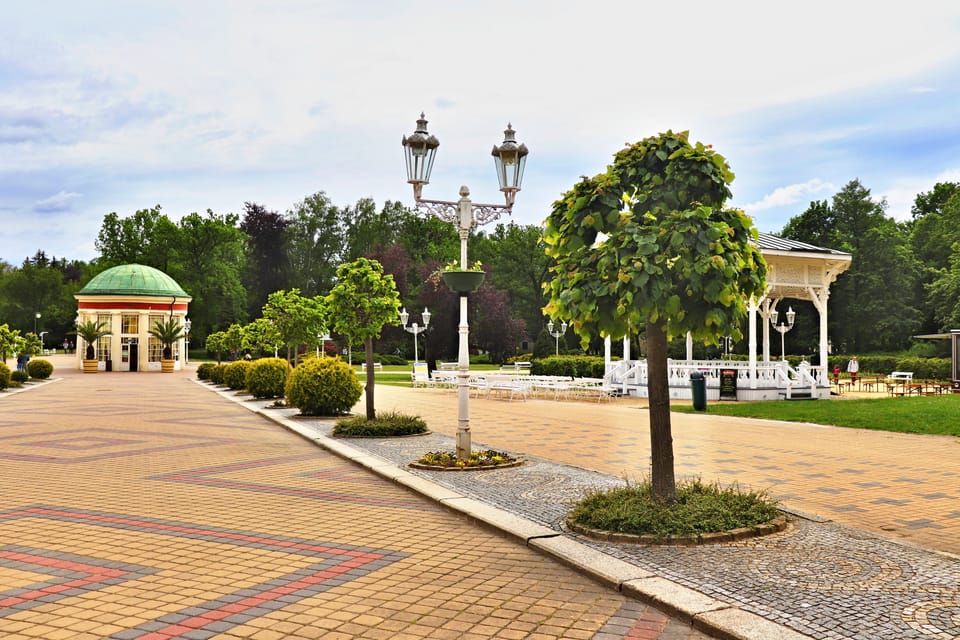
point(114, 106)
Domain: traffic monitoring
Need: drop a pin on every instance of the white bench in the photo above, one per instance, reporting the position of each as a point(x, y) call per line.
point(901, 376)
point(377, 366)
point(448, 366)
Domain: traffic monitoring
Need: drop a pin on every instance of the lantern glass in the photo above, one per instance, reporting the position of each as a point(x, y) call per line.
point(404, 316)
point(419, 150)
point(510, 159)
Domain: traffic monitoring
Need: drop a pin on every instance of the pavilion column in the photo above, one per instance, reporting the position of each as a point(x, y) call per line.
point(626, 348)
point(819, 296)
point(689, 346)
point(752, 342)
point(765, 317)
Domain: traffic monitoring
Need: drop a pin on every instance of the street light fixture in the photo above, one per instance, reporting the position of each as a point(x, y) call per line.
point(35, 319)
point(322, 344)
point(783, 328)
point(510, 158)
point(415, 330)
point(557, 334)
point(187, 323)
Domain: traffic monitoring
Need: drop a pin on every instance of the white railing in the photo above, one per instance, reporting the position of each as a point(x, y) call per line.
point(632, 373)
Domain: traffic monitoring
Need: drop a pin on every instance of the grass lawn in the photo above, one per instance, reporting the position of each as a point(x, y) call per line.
point(925, 414)
point(398, 375)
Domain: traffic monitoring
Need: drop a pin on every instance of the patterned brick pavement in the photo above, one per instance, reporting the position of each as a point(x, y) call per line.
point(142, 506)
point(824, 579)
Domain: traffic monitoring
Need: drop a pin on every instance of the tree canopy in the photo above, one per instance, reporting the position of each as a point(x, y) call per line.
point(360, 304)
point(649, 245)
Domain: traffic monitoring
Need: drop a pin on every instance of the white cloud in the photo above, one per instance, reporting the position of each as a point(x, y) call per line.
point(902, 192)
point(56, 203)
point(789, 195)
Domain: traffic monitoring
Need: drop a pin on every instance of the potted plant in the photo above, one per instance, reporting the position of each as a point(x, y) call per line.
point(463, 281)
point(167, 332)
point(90, 331)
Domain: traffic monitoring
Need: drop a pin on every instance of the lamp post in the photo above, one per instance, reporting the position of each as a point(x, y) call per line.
point(42, 333)
point(509, 158)
point(783, 328)
point(415, 329)
point(322, 344)
point(557, 334)
point(187, 323)
point(36, 318)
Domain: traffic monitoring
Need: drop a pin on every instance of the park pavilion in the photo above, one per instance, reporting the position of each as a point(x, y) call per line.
point(795, 271)
point(128, 300)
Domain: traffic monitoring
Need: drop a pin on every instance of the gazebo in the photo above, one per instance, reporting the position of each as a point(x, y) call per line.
point(795, 270)
point(128, 300)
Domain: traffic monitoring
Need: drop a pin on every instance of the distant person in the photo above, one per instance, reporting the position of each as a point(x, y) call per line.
point(836, 374)
point(853, 368)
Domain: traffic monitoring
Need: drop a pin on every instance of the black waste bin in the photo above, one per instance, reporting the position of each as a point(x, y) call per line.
point(698, 387)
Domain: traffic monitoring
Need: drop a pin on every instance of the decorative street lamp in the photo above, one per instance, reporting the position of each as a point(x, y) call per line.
point(322, 344)
point(557, 334)
point(415, 329)
point(509, 159)
point(35, 319)
point(783, 328)
point(187, 323)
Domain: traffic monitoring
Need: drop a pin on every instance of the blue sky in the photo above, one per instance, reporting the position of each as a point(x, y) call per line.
point(194, 105)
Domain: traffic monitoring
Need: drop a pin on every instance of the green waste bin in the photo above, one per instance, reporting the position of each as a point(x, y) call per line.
point(698, 387)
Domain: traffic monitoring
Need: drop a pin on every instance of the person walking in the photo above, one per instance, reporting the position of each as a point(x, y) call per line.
point(853, 368)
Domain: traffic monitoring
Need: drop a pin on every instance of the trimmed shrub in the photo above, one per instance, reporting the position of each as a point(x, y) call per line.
point(573, 366)
point(4, 376)
point(235, 374)
point(324, 387)
point(216, 374)
point(389, 358)
point(205, 370)
point(18, 375)
point(267, 377)
point(40, 369)
point(390, 423)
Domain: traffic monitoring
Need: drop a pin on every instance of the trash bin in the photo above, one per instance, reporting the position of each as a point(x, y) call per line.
point(698, 387)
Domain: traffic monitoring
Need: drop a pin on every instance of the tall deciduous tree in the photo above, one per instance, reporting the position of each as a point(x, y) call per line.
point(210, 258)
point(315, 244)
point(649, 244)
point(517, 264)
point(881, 287)
point(146, 237)
point(298, 319)
point(359, 305)
point(267, 266)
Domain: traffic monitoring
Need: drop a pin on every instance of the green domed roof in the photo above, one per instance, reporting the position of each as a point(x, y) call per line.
point(133, 280)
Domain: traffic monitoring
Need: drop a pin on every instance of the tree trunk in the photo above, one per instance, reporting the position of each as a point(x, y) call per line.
point(661, 439)
point(368, 348)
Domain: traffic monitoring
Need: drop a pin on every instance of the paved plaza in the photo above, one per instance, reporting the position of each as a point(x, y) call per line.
point(871, 553)
point(155, 506)
point(146, 506)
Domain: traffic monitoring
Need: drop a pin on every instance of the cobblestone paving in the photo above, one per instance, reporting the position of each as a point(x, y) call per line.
point(819, 578)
